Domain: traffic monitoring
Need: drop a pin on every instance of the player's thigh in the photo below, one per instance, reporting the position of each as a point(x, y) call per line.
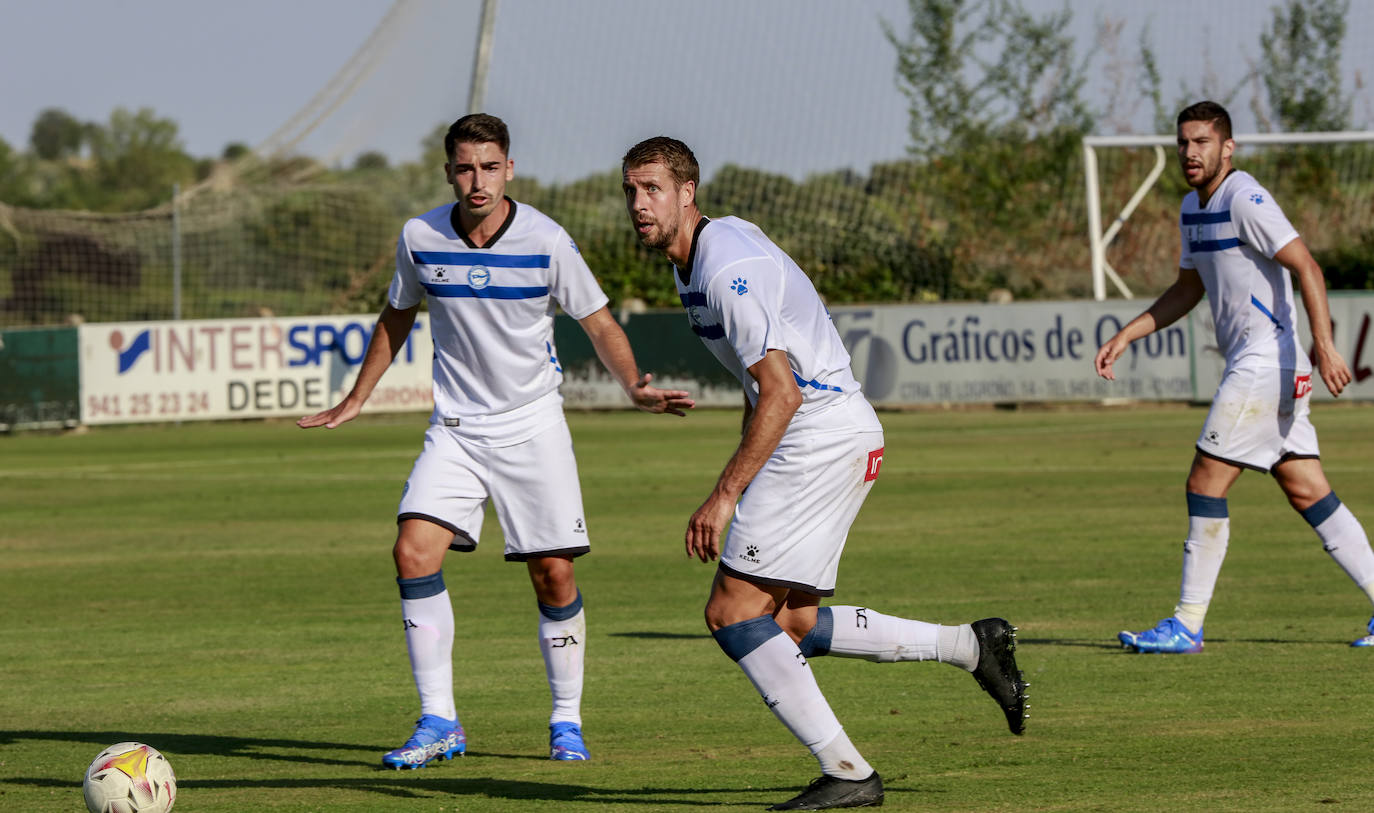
point(791, 525)
point(445, 488)
point(1251, 417)
point(1303, 481)
point(534, 487)
point(734, 599)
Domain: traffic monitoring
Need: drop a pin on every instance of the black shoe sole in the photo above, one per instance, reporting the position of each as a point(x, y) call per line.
point(997, 672)
point(828, 793)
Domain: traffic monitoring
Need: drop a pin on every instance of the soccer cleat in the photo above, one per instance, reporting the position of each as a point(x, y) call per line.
point(565, 742)
point(828, 791)
point(1168, 636)
point(433, 737)
point(997, 673)
point(1368, 640)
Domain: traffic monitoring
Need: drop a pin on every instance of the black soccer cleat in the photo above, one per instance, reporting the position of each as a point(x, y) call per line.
point(997, 672)
point(829, 792)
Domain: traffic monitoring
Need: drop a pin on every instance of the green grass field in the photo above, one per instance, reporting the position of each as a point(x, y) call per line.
point(225, 593)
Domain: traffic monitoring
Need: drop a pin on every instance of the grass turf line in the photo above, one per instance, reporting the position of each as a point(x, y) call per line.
point(224, 592)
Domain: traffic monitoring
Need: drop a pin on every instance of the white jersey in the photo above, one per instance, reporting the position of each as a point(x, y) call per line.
point(1231, 243)
point(491, 307)
point(744, 297)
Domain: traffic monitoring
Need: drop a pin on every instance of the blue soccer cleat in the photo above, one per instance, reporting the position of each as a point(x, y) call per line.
point(1368, 640)
point(1168, 636)
point(433, 737)
point(565, 742)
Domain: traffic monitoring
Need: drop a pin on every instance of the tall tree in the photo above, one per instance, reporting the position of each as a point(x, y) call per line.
point(56, 134)
point(1033, 85)
point(1301, 66)
point(138, 157)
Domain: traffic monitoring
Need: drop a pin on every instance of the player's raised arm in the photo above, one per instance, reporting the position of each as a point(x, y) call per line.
point(1331, 365)
point(613, 348)
point(388, 337)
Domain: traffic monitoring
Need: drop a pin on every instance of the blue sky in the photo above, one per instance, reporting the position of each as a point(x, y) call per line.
point(792, 86)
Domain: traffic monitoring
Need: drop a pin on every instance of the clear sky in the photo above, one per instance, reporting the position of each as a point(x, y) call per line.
point(791, 86)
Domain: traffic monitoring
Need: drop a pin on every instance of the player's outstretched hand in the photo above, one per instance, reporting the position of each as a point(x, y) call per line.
point(653, 399)
point(1107, 354)
point(1334, 371)
point(341, 413)
point(705, 526)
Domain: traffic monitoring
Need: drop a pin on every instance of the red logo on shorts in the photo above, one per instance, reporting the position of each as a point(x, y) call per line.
point(1302, 385)
point(875, 462)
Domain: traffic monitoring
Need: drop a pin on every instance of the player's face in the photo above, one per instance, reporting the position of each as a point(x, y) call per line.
point(655, 203)
point(1203, 155)
point(478, 173)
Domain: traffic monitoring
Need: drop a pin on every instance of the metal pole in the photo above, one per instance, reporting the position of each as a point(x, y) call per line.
point(478, 92)
point(1097, 252)
point(176, 251)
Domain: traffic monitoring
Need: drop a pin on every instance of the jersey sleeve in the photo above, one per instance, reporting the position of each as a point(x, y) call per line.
point(1260, 223)
point(746, 298)
point(570, 280)
point(406, 290)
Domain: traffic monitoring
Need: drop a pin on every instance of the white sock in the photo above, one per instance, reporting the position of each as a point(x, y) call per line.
point(1209, 533)
point(563, 642)
point(429, 638)
point(860, 632)
point(780, 673)
point(1344, 539)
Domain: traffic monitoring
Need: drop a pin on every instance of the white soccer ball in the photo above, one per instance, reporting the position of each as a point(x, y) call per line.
point(130, 777)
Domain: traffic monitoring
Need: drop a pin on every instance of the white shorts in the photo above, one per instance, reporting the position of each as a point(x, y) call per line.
point(532, 484)
point(1259, 417)
point(791, 524)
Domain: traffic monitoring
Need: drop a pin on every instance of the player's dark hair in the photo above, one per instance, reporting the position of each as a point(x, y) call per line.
point(669, 152)
point(1209, 112)
point(477, 128)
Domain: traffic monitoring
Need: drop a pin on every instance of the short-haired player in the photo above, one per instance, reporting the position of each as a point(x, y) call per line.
point(491, 271)
point(811, 450)
point(1239, 250)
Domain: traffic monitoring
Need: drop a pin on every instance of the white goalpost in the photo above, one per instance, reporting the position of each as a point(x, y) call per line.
point(1099, 240)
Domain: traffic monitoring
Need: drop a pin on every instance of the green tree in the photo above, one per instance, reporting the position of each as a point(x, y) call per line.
point(56, 134)
point(1301, 68)
point(138, 157)
point(370, 160)
point(1033, 87)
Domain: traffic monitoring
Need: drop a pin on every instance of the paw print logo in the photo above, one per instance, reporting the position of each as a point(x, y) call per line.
point(1257, 198)
point(751, 551)
point(740, 286)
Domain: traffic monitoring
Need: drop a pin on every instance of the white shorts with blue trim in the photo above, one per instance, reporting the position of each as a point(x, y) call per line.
point(532, 484)
point(1260, 416)
point(790, 526)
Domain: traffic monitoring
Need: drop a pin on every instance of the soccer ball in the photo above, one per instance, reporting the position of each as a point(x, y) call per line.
point(130, 777)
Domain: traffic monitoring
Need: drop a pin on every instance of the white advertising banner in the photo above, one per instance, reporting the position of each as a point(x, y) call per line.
point(241, 368)
point(979, 353)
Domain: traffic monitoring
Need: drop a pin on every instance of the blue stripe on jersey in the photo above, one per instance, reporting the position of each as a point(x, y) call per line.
point(480, 258)
point(1265, 311)
point(814, 384)
point(1199, 218)
point(692, 298)
point(709, 332)
point(1206, 246)
point(493, 292)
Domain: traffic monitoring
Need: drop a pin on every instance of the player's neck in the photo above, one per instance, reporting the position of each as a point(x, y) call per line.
point(680, 252)
point(481, 230)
